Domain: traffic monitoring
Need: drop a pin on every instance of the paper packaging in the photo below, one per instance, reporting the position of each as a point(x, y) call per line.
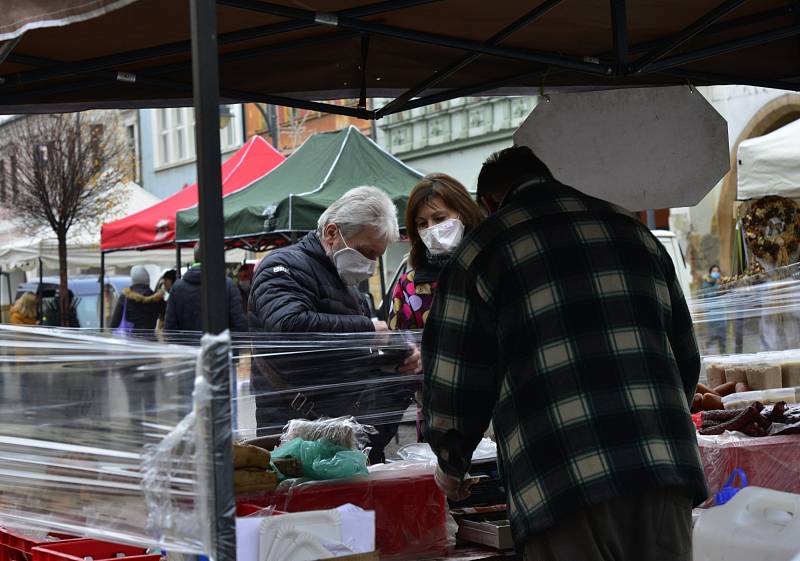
point(343, 533)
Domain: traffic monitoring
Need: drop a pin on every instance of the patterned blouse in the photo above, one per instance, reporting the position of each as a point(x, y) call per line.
point(411, 302)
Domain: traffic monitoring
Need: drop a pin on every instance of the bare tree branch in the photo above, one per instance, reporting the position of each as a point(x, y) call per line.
point(66, 171)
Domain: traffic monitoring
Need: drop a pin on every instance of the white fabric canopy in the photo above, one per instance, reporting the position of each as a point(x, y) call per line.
point(83, 246)
point(770, 164)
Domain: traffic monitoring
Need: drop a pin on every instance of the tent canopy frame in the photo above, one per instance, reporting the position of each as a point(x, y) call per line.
point(651, 58)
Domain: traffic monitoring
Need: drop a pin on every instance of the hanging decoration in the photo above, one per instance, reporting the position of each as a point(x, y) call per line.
point(772, 230)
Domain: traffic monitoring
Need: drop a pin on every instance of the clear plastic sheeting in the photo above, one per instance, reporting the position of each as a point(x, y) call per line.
point(315, 376)
point(758, 313)
point(99, 437)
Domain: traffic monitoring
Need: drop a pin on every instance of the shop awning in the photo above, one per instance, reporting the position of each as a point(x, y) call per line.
point(155, 226)
point(426, 51)
point(291, 197)
point(770, 164)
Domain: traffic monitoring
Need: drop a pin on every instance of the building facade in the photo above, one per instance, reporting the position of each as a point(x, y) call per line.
point(454, 137)
point(166, 145)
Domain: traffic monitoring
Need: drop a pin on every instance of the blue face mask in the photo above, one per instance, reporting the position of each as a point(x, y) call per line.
point(715, 275)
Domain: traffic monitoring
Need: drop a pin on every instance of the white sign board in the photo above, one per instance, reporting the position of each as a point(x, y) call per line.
point(638, 148)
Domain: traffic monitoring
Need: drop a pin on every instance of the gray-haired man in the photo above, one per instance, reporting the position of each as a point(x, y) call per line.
point(311, 287)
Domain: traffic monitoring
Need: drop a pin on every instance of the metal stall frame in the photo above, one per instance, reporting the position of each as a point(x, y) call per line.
point(626, 60)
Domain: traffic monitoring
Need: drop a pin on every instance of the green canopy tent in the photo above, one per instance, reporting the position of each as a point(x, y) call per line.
point(289, 200)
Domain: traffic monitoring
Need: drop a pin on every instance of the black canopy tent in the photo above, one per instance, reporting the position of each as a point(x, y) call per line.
point(150, 53)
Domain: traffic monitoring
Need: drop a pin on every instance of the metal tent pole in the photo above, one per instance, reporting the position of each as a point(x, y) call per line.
point(178, 264)
point(102, 289)
point(216, 368)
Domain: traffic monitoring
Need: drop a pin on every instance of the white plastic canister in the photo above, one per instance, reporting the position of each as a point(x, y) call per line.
point(757, 524)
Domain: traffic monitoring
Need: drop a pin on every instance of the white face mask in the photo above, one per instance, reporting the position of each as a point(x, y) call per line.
point(351, 265)
point(444, 237)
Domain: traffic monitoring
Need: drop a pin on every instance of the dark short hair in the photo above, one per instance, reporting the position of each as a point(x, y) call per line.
point(507, 168)
point(711, 268)
point(171, 275)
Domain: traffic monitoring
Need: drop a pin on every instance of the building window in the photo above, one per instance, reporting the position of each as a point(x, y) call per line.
point(174, 133)
point(231, 136)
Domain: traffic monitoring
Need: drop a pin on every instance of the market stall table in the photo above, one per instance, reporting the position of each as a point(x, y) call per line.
point(769, 461)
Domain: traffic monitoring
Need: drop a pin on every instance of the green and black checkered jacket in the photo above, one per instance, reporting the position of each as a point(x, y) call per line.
point(561, 319)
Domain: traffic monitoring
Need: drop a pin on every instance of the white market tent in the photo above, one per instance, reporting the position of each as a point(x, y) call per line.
point(770, 164)
point(83, 246)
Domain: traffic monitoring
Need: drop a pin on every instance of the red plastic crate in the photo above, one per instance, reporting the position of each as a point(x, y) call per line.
point(12, 544)
point(11, 554)
point(79, 550)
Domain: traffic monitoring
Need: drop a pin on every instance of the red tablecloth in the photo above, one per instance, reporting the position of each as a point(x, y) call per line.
point(771, 461)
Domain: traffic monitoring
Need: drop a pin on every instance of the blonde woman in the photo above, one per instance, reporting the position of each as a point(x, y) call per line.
point(23, 312)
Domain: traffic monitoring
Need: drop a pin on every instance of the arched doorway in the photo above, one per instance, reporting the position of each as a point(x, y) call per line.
point(774, 115)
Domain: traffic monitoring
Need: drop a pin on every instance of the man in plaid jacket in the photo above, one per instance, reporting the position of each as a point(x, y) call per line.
point(561, 320)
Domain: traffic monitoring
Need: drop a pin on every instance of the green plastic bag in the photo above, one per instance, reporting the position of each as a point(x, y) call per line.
point(321, 459)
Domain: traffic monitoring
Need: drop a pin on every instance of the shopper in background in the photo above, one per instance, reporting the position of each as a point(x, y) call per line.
point(184, 306)
point(716, 331)
point(561, 320)
point(138, 304)
point(23, 312)
point(167, 280)
point(244, 278)
point(438, 214)
point(164, 286)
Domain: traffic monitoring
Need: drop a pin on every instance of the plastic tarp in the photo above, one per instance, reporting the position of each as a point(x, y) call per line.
point(770, 164)
point(83, 245)
point(291, 197)
point(101, 437)
point(155, 226)
point(754, 314)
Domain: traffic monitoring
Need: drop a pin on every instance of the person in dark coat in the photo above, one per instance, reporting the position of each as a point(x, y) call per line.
point(141, 305)
point(311, 287)
point(184, 307)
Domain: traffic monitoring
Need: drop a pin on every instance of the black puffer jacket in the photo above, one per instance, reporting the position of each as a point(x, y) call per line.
point(297, 289)
point(184, 311)
point(143, 309)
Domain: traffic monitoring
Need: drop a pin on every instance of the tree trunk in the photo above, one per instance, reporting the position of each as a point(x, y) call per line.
point(63, 286)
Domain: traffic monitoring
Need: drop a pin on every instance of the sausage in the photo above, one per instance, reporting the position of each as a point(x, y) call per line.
point(742, 387)
point(702, 389)
point(726, 389)
point(712, 402)
point(697, 403)
point(745, 418)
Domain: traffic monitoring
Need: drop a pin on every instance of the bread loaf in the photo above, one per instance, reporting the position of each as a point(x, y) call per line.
point(764, 377)
point(790, 374)
point(735, 374)
point(247, 456)
point(253, 480)
point(715, 375)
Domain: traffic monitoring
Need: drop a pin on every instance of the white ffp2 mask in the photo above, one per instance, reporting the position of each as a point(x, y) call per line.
point(351, 265)
point(444, 237)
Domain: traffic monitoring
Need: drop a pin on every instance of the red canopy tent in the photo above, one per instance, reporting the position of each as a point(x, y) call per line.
point(154, 227)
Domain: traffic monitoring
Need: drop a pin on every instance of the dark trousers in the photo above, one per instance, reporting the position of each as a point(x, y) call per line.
point(655, 525)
